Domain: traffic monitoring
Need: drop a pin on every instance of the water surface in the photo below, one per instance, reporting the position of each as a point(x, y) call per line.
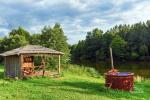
point(138, 68)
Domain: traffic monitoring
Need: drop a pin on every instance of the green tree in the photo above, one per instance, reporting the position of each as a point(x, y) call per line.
point(143, 50)
point(54, 38)
point(21, 32)
point(78, 52)
point(35, 39)
point(15, 41)
point(119, 48)
point(93, 43)
point(61, 42)
point(16, 38)
point(106, 41)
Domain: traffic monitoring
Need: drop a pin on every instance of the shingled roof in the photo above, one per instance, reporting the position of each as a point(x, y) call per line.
point(31, 49)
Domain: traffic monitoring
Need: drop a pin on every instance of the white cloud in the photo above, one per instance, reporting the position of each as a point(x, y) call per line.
point(140, 12)
point(84, 5)
point(76, 16)
point(3, 31)
point(99, 21)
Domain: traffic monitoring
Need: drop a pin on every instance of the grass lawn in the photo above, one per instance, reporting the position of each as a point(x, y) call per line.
point(73, 85)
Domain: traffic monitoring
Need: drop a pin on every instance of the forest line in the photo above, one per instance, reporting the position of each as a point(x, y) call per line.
point(129, 42)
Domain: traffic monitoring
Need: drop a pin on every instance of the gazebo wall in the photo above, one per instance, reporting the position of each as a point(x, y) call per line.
point(12, 66)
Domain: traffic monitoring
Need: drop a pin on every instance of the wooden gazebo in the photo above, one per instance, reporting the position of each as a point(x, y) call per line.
point(20, 62)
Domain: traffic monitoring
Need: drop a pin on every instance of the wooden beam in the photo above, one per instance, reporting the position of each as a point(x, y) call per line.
point(58, 64)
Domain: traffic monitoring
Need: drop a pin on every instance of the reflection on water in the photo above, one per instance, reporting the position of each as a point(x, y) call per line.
point(141, 70)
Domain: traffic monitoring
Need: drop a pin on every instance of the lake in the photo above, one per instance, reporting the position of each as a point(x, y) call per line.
point(141, 69)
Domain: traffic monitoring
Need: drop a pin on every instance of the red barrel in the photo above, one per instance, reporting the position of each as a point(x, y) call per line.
point(120, 81)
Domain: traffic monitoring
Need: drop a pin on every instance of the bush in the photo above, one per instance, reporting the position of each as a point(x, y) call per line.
point(81, 70)
point(134, 56)
point(92, 72)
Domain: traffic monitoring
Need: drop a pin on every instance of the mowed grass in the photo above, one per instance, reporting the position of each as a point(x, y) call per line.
point(74, 84)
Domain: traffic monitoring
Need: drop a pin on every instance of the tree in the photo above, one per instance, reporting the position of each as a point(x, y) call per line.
point(78, 52)
point(119, 48)
point(21, 32)
point(106, 41)
point(127, 40)
point(54, 38)
point(61, 42)
point(48, 37)
point(15, 41)
point(16, 38)
point(143, 50)
point(93, 43)
point(35, 39)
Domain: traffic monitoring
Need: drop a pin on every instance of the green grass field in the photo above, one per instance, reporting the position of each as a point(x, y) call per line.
point(75, 84)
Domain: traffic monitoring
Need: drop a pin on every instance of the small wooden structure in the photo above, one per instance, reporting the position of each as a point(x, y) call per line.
point(20, 62)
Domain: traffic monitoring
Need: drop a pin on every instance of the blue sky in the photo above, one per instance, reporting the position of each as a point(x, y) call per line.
point(77, 17)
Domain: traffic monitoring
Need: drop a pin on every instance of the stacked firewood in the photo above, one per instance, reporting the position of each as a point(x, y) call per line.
point(26, 71)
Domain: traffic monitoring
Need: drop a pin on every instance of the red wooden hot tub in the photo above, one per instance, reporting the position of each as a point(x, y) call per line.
point(119, 80)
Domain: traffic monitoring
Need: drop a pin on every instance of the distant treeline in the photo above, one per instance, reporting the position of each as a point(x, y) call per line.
point(129, 43)
point(51, 37)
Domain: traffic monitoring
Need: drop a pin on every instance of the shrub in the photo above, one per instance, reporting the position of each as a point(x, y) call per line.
point(134, 55)
point(81, 70)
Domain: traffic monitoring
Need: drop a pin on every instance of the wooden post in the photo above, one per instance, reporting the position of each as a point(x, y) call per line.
point(14, 65)
point(43, 65)
point(5, 67)
point(112, 64)
point(21, 63)
point(58, 64)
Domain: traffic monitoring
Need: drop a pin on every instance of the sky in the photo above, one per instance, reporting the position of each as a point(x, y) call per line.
point(76, 17)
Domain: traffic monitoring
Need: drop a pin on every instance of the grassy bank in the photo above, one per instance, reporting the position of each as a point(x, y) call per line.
point(75, 84)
